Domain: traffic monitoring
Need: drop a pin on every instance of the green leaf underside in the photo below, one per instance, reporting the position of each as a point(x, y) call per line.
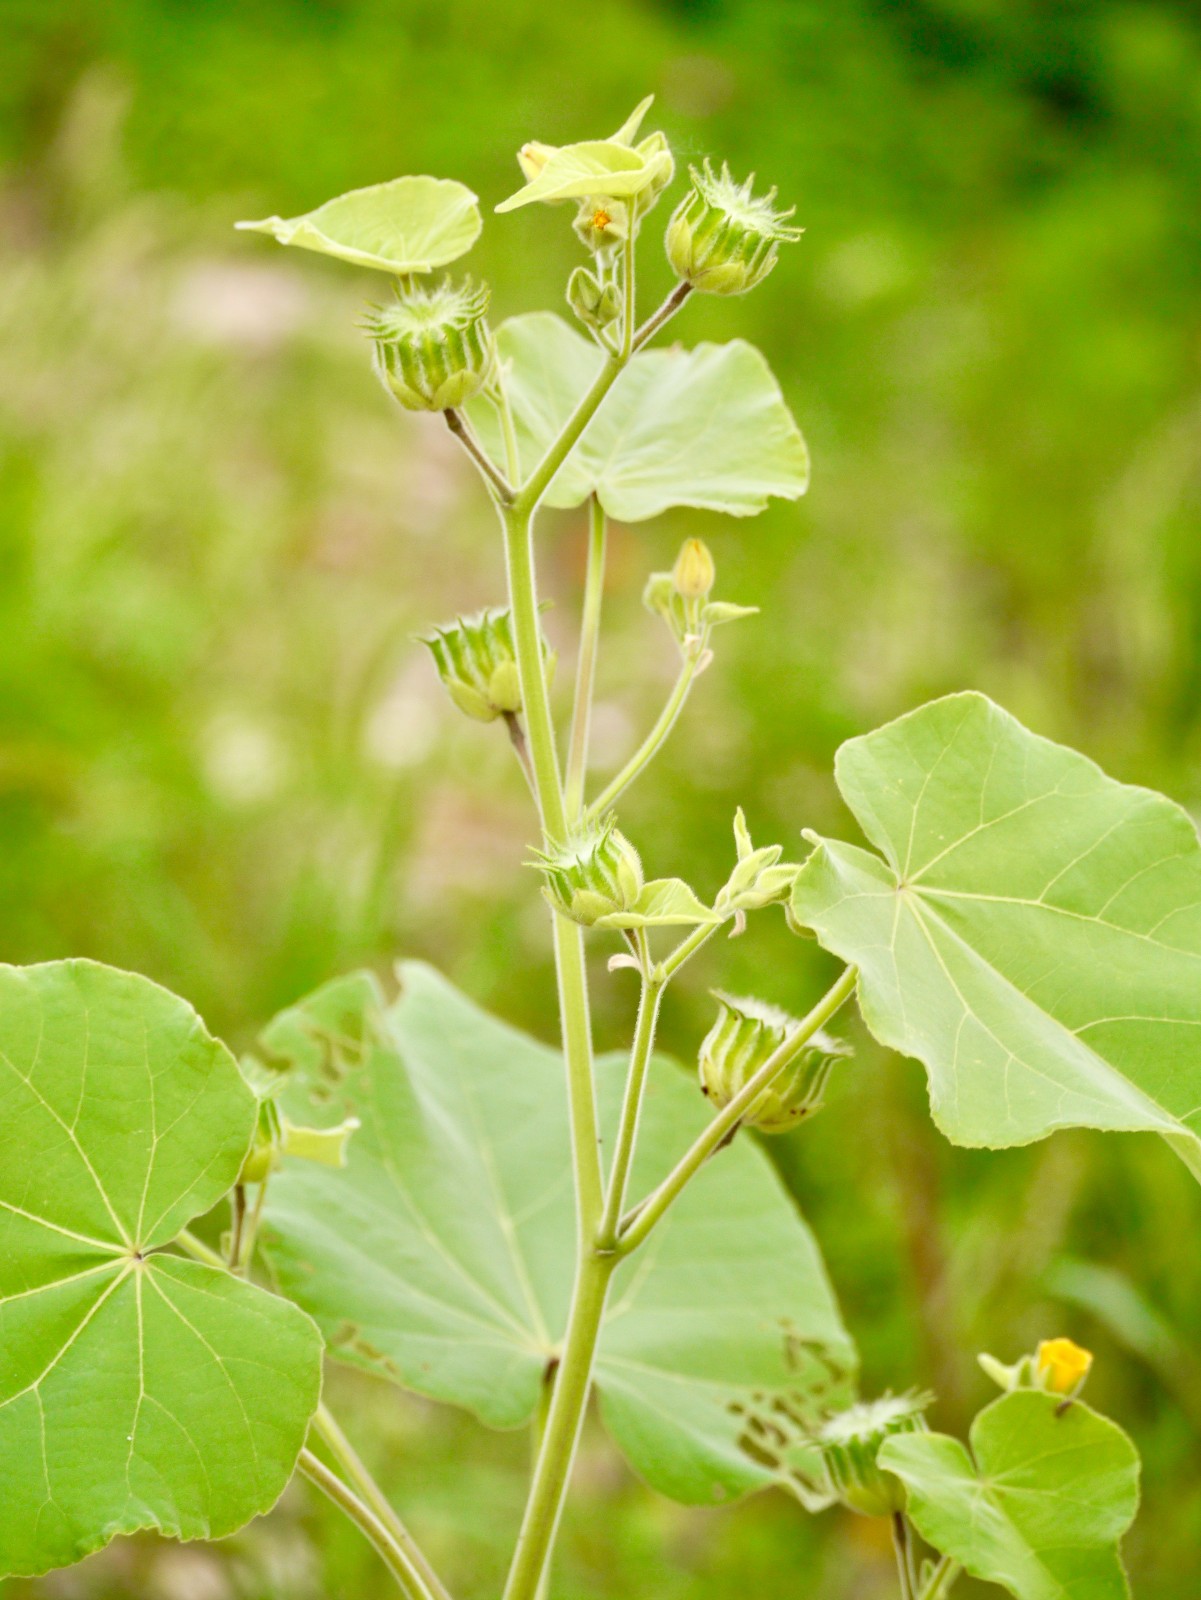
point(600, 168)
point(137, 1390)
point(443, 1256)
point(1033, 935)
point(1041, 1509)
point(706, 427)
point(664, 902)
point(406, 225)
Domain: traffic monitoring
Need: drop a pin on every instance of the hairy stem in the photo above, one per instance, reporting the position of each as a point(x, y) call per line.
point(666, 311)
point(568, 1404)
point(407, 1577)
point(594, 584)
point(639, 1224)
point(365, 1486)
point(654, 740)
point(492, 475)
point(653, 986)
point(904, 1553)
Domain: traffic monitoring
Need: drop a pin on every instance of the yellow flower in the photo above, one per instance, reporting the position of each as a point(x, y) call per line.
point(1062, 1365)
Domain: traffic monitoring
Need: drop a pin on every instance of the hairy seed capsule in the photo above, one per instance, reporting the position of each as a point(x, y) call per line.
point(744, 1037)
point(850, 1443)
point(722, 239)
point(595, 873)
point(476, 659)
point(433, 348)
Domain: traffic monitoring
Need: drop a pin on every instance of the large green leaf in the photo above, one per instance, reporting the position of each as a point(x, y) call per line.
point(443, 1256)
point(706, 427)
point(137, 1389)
point(406, 225)
point(1033, 933)
point(1041, 1508)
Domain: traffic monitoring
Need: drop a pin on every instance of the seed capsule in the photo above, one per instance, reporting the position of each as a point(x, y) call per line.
point(596, 873)
point(722, 239)
point(433, 348)
point(744, 1037)
point(476, 659)
point(850, 1443)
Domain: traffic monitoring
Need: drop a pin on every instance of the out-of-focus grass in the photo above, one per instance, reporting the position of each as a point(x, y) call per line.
point(224, 762)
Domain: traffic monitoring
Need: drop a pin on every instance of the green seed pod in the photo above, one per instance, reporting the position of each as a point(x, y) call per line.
point(593, 875)
point(722, 239)
point(596, 304)
point(850, 1443)
point(476, 659)
point(745, 1035)
point(433, 348)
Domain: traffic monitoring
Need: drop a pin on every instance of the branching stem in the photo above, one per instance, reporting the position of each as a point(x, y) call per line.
point(654, 740)
point(639, 1223)
point(499, 485)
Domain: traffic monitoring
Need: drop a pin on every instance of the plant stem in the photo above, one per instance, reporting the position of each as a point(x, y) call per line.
point(653, 986)
point(685, 950)
point(640, 1222)
point(200, 1251)
point(408, 1579)
point(627, 256)
point(563, 1425)
point(654, 739)
point(941, 1579)
point(493, 476)
point(594, 585)
point(903, 1547)
point(370, 1492)
point(664, 314)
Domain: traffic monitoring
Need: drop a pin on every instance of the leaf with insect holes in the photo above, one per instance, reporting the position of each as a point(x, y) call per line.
point(137, 1389)
point(1032, 933)
point(442, 1258)
point(404, 226)
point(706, 427)
point(1039, 1504)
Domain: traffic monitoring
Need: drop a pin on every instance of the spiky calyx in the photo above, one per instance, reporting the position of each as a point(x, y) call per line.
point(594, 874)
point(476, 658)
point(433, 346)
point(723, 238)
point(850, 1442)
point(745, 1036)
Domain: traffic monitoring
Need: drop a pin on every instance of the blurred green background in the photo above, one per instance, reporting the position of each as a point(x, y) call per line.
point(224, 762)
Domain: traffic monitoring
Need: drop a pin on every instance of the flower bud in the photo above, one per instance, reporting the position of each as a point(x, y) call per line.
point(744, 1037)
point(760, 877)
point(1061, 1366)
point(850, 1442)
point(694, 573)
point(595, 874)
point(596, 304)
point(532, 157)
point(722, 239)
point(476, 659)
point(433, 348)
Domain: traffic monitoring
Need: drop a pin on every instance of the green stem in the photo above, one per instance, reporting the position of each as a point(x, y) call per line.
point(639, 1224)
point(627, 1134)
point(594, 585)
point(627, 256)
point(650, 746)
point(664, 314)
point(941, 1579)
point(199, 1250)
point(569, 1402)
point(685, 950)
point(408, 1579)
point(348, 1458)
point(904, 1554)
point(498, 484)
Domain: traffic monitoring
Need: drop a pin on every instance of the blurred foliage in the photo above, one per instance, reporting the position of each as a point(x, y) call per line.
point(223, 762)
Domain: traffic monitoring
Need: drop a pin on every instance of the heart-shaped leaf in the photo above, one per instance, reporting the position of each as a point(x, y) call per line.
point(406, 225)
point(607, 169)
point(443, 1257)
point(137, 1389)
point(705, 427)
point(1041, 1508)
point(1033, 934)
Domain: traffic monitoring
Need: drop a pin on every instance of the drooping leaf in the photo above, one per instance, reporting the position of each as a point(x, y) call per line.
point(406, 225)
point(607, 169)
point(663, 902)
point(137, 1389)
point(1041, 1508)
point(443, 1257)
point(1032, 935)
point(706, 427)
